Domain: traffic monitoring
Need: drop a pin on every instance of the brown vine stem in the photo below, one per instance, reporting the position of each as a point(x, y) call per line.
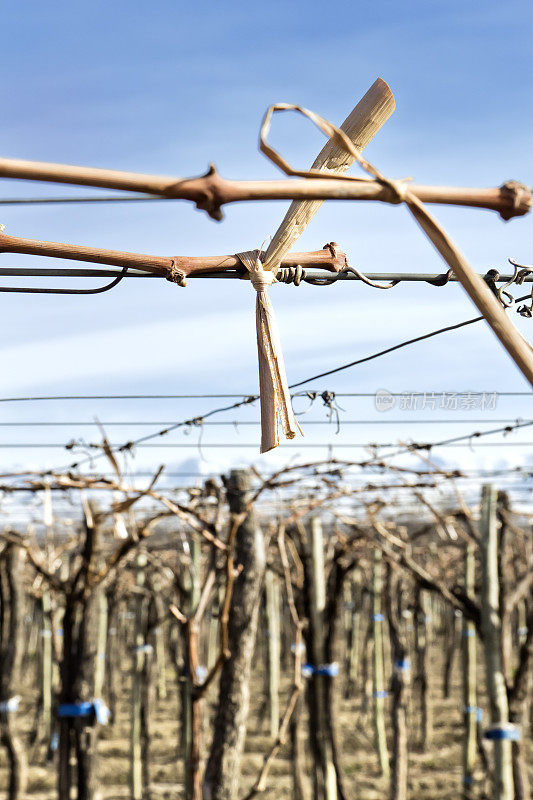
point(329, 258)
point(210, 191)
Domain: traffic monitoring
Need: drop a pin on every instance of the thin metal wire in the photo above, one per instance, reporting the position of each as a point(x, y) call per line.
point(74, 272)
point(384, 352)
point(511, 473)
point(316, 277)
point(254, 423)
point(198, 420)
point(393, 348)
point(37, 290)
point(344, 273)
point(456, 442)
point(62, 397)
point(475, 435)
point(465, 474)
point(374, 487)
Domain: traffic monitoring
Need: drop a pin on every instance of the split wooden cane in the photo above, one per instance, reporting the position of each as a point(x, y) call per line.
point(369, 115)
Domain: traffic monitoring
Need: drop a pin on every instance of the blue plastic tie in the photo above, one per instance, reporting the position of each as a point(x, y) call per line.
point(331, 670)
point(381, 694)
point(101, 712)
point(505, 732)
point(378, 617)
point(300, 648)
point(475, 710)
point(402, 664)
point(10, 705)
point(85, 709)
point(143, 648)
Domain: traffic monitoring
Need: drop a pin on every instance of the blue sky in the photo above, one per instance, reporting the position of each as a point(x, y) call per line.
point(171, 86)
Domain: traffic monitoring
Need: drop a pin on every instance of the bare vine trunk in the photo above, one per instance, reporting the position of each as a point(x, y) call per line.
point(422, 629)
point(11, 645)
point(223, 767)
point(77, 668)
point(399, 689)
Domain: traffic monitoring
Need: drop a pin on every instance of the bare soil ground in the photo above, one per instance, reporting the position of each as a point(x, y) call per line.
point(433, 774)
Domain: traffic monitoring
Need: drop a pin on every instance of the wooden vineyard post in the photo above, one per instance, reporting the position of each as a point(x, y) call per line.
point(159, 635)
point(354, 635)
point(78, 733)
point(317, 607)
point(274, 641)
point(147, 695)
point(422, 631)
point(367, 648)
point(47, 637)
point(158, 610)
point(213, 628)
point(521, 622)
point(379, 693)
point(101, 642)
point(346, 623)
point(224, 763)
point(11, 647)
point(189, 679)
point(514, 671)
point(298, 765)
point(45, 728)
point(470, 709)
point(286, 634)
point(451, 617)
point(212, 633)
point(34, 634)
point(400, 681)
point(136, 772)
point(491, 626)
point(113, 667)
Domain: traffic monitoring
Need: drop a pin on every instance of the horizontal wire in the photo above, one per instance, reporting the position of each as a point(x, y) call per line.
point(312, 274)
point(475, 435)
point(42, 398)
point(253, 398)
point(373, 487)
point(62, 397)
point(255, 423)
point(333, 445)
point(465, 474)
